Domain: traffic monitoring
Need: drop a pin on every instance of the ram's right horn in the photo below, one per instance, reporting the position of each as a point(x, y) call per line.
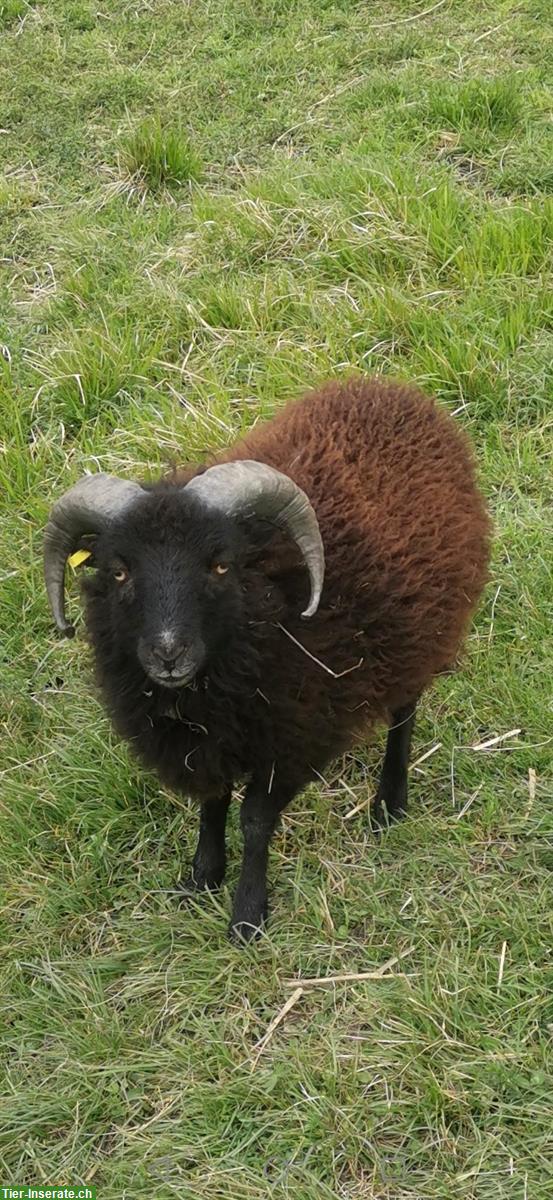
point(247, 487)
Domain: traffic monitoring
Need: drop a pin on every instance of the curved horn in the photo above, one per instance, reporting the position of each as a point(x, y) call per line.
point(88, 507)
point(245, 487)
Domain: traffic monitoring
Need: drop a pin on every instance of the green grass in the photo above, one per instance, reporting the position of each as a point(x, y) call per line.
point(155, 155)
point(205, 209)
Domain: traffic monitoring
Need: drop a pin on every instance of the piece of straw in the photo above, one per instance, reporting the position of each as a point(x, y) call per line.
point(354, 977)
point(260, 1047)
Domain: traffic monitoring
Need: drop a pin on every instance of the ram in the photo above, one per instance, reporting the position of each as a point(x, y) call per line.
point(254, 617)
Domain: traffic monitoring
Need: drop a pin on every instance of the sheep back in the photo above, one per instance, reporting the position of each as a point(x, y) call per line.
point(406, 532)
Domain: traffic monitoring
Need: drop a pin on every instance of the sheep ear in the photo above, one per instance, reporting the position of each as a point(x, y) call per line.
point(83, 552)
point(246, 488)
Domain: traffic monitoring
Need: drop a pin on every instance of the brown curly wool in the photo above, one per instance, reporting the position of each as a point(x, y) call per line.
point(406, 534)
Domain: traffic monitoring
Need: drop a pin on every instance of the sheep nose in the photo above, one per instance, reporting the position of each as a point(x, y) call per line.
point(167, 650)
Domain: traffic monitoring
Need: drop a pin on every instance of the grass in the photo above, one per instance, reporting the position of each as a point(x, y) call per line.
point(155, 155)
point(204, 209)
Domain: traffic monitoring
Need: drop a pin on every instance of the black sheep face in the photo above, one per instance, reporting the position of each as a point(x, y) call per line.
point(168, 573)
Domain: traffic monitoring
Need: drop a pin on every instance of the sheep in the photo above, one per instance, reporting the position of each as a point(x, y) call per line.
point(255, 616)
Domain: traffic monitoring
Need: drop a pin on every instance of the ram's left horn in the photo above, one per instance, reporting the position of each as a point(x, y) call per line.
point(89, 507)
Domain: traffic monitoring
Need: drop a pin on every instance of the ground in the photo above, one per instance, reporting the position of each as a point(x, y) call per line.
point(204, 208)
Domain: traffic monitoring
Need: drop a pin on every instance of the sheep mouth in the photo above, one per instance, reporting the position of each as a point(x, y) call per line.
point(177, 673)
point(174, 679)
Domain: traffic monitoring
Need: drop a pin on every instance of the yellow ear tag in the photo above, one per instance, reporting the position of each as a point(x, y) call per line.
point(80, 556)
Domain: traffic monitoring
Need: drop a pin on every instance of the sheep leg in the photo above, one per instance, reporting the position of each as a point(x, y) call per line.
point(259, 815)
point(209, 862)
point(391, 798)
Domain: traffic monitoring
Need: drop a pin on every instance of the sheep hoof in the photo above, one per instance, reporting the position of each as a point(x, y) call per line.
point(192, 885)
point(248, 923)
point(242, 932)
point(383, 814)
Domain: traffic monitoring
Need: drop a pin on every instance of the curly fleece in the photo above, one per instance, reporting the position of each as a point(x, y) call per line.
point(406, 535)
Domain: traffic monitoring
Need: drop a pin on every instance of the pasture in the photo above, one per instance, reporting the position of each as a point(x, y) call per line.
point(206, 208)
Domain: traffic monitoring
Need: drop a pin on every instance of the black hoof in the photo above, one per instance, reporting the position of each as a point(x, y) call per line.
point(191, 887)
point(384, 815)
point(242, 932)
point(248, 924)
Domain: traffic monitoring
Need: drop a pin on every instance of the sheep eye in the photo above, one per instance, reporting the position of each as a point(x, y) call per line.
point(220, 569)
point(120, 575)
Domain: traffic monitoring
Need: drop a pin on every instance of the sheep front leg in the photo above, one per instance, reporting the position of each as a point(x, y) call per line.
point(209, 862)
point(260, 811)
